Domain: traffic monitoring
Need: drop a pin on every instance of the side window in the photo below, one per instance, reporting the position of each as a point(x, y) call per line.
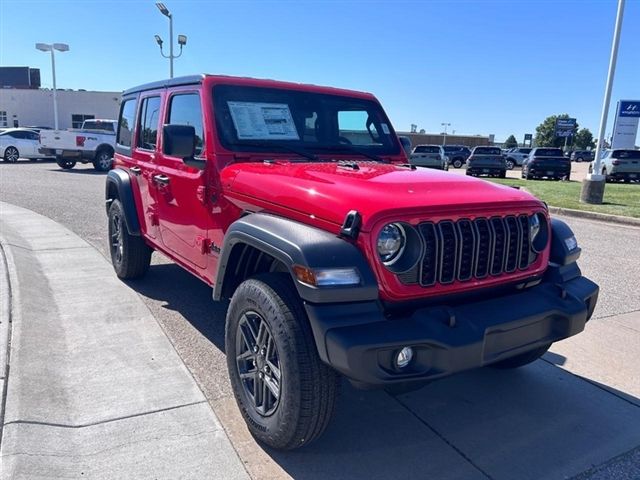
point(125, 124)
point(185, 109)
point(33, 136)
point(148, 126)
point(354, 126)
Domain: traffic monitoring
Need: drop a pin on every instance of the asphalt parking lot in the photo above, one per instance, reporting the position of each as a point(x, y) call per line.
point(576, 413)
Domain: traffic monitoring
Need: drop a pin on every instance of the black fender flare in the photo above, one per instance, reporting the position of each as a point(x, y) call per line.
point(294, 243)
point(560, 253)
point(119, 181)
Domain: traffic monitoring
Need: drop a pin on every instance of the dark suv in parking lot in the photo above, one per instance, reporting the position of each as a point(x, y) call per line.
point(582, 155)
point(457, 154)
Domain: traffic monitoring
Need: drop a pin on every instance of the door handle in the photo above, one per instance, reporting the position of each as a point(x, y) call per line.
point(135, 170)
point(161, 179)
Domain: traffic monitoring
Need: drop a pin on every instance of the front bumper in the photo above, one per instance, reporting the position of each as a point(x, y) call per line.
point(360, 342)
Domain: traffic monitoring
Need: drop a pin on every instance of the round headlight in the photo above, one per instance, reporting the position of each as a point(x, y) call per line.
point(391, 240)
point(534, 227)
point(538, 232)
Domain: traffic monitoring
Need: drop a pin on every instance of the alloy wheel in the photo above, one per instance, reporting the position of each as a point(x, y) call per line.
point(258, 363)
point(11, 154)
point(117, 247)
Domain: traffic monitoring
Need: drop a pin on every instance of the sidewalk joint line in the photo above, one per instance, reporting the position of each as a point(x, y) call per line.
point(110, 420)
point(442, 437)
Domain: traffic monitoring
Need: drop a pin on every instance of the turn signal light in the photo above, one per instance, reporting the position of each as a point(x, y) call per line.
point(326, 277)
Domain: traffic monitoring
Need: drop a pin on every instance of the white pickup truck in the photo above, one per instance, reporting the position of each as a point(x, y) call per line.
point(94, 143)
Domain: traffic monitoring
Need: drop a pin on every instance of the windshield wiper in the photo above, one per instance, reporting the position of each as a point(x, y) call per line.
point(277, 145)
point(351, 148)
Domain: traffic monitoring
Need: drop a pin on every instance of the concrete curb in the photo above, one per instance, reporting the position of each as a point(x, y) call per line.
point(95, 388)
point(600, 217)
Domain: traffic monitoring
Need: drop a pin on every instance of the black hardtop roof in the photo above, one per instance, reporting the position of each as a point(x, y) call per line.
point(170, 82)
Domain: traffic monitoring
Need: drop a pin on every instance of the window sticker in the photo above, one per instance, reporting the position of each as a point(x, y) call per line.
point(263, 121)
point(385, 128)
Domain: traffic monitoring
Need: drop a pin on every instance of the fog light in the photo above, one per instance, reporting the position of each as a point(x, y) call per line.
point(404, 357)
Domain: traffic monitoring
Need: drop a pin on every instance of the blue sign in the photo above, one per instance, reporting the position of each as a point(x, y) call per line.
point(565, 127)
point(629, 109)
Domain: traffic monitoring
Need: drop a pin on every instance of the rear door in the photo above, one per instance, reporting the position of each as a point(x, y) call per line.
point(137, 155)
point(183, 208)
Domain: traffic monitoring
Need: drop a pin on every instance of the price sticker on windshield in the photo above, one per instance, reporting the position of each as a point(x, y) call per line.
point(263, 121)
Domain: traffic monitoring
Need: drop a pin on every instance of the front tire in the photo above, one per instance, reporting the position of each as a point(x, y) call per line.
point(284, 391)
point(510, 163)
point(130, 256)
point(522, 359)
point(11, 154)
point(457, 163)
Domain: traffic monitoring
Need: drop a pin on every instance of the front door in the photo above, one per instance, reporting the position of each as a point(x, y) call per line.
point(183, 208)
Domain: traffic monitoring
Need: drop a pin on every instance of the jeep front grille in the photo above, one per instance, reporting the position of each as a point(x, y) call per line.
point(472, 249)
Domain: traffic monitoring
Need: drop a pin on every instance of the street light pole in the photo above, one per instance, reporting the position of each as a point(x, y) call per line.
point(593, 186)
point(444, 138)
point(61, 47)
point(55, 96)
point(182, 39)
point(170, 46)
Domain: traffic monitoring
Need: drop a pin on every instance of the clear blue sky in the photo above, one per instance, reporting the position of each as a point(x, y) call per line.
point(484, 66)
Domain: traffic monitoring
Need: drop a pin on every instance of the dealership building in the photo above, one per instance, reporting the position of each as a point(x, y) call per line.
point(24, 103)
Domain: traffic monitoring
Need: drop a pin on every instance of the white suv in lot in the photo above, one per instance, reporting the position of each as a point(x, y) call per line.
point(619, 165)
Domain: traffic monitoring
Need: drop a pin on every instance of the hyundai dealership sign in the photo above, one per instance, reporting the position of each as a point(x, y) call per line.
point(625, 128)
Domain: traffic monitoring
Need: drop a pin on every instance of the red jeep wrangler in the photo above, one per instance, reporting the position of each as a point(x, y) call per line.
point(296, 202)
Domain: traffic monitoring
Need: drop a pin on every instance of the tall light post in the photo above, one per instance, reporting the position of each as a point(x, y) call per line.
point(593, 186)
point(182, 39)
point(61, 47)
point(444, 138)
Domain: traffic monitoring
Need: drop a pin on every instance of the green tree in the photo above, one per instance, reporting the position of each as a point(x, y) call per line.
point(510, 142)
point(584, 139)
point(546, 132)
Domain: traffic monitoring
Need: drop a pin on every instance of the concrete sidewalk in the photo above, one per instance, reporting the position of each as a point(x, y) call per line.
point(95, 389)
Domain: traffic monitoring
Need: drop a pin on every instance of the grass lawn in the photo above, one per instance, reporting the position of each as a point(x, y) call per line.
point(619, 199)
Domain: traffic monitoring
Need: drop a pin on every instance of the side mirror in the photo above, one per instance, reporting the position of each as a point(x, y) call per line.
point(180, 141)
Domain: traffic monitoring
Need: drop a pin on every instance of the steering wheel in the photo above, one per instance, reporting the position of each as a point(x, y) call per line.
point(344, 141)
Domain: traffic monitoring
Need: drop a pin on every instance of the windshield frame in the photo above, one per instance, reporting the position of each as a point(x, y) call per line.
point(227, 136)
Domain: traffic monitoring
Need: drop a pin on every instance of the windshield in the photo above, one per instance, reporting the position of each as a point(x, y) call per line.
point(632, 154)
point(548, 152)
point(487, 151)
point(269, 119)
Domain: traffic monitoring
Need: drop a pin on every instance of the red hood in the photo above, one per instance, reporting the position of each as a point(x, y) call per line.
point(329, 191)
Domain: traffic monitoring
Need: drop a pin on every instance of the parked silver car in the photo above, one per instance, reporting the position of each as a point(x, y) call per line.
point(430, 156)
point(516, 156)
point(619, 165)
